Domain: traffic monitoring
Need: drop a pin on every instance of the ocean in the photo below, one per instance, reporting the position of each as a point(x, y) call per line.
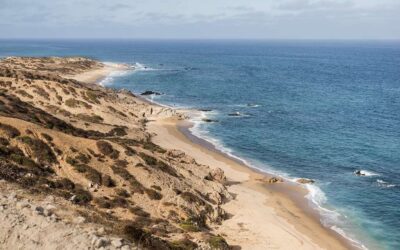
point(313, 109)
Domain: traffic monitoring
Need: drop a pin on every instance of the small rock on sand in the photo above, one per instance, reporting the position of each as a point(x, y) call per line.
point(275, 180)
point(216, 175)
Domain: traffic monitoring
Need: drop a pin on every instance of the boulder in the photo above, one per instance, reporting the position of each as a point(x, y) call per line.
point(234, 114)
point(175, 153)
point(117, 243)
point(149, 92)
point(275, 180)
point(208, 120)
point(305, 181)
point(216, 175)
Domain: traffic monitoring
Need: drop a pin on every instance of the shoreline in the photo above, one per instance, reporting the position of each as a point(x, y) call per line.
point(282, 206)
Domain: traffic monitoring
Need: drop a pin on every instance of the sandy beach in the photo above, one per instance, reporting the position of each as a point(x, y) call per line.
point(262, 215)
point(97, 75)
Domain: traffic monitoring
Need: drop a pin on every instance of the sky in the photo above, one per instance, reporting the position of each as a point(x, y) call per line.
point(201, 19)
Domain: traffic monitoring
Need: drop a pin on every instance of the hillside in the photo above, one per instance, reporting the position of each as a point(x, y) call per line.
point(83, 153)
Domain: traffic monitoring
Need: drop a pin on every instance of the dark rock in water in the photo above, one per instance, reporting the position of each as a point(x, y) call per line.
point(149, 92)
point(208, 120)
point(205, 110)
point(234, 114)
point(359, 173)
point(305, 181)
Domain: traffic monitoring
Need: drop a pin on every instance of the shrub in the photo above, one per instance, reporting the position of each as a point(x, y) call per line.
point(129, 151)
point(103, 202)
point(218, 242)
point(113, 110)
point(191, 198)
point(136, 186)
point(152, 194)
point(73, 103)
point(122, 192)
point(118, 131)
point(83, 158)
point(82, 196)
point(9, 130)
point(184, 244)
point(121, 163)
point(153, 147)
point(24, 93)
point(4, 141)
point(40, 91)
point(93, 175)
point(24, 161)
point(134, 233)
point(189, 226)
point(107, 149)
point(139, 211)
point(150, 160)
point(90, 173)
point(40, 150)
point(67, 184)
point(107, 181)
point(119, 202)
point(47, 137)
point(90, 118)
point(92, 96)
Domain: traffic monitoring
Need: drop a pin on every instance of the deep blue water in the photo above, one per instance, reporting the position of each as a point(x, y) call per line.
point(314, 109)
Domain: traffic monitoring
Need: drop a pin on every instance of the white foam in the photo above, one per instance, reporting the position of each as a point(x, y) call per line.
point(384, 184)
point(344, 235)
point(141, 67)
point(248, 105)
point(329, 218)
point(368, 173)
point(108, 80)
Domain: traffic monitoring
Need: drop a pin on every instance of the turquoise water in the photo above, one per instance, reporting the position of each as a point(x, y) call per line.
point(314, 109)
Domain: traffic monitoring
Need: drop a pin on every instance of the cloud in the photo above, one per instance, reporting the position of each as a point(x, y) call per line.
point(207, 18)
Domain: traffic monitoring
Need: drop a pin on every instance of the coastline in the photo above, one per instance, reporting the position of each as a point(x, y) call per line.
point(287, 221)
point(98, 75)
point(278, 215)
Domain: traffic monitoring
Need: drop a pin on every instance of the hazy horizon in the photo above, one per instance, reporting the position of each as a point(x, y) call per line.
point(177, 19)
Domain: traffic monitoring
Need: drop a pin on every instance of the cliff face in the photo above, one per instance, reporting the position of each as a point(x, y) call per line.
point(88, 147)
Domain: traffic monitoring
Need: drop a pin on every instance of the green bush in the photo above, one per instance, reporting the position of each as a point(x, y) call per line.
point(90, 118)
point(139, 211)
point(152, 194)
point(184, 244)
point(122, 192)
point(218, 242)
point(40, 150)
point(189, 226)
point(107, 149)
point(9, 130)
point(136, 186)
point(107, 181)
point(82, 196)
